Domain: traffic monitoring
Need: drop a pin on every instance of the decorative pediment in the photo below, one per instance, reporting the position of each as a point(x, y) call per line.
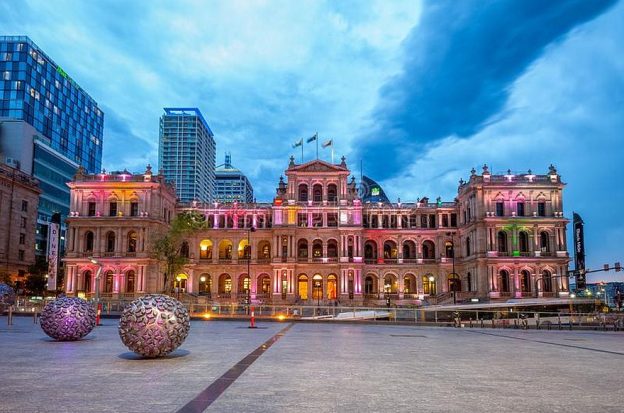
point(317, 166)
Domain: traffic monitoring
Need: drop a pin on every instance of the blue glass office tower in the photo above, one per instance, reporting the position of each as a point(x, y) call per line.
point(186, 153)
point(35, 89)
point(68, 124)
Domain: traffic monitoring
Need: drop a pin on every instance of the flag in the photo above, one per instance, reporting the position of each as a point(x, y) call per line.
point(313, 138)
point(328, 143)
point(298, 143)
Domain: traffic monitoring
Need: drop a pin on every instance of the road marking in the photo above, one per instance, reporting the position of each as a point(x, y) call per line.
point(216, 389)
point(547, 342)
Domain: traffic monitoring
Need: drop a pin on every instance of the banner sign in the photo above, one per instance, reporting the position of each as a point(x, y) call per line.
point(579, 252)
point(53, 254)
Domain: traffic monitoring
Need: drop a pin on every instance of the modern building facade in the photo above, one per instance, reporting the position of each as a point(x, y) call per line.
point(19, 196)
point(316, 242)
point(49, 126)
point(186, 153)
point(112, 220)
point(231, 184)
point(35, 89)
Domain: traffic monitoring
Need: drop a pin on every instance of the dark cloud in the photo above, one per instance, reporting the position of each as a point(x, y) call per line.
point(460, 62)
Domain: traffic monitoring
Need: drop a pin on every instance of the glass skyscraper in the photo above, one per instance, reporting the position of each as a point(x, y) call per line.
point(35, 89)
point(186, 153)
point(48, 126)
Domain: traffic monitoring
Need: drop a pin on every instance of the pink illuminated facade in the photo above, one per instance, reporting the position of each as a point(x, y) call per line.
point(318, 242)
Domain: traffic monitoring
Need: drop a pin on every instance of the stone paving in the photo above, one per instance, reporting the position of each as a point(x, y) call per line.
point(318, 367)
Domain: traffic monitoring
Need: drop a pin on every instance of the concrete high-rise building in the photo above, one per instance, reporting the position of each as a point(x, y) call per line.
point(232, 184)
point(48, 126)
point(186, 153)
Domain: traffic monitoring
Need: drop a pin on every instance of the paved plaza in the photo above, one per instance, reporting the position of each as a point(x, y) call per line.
point(315, 367)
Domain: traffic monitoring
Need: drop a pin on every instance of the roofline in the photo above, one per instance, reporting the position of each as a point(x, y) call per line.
point(197, 112)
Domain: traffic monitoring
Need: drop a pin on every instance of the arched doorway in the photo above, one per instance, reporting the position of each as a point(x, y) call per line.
point(525, 281)
point(181, 282)
point(454, 283)
point(205, 249)
point(302, 286)
point(409, 284)
point(108, 281)
point(243, 285)
point(390, 284)
point(130, 281)
point(205, 284)
point(317, 287)
point(369, 285)
point(88, 281)
point(504, 281)
point(332, 287)
point(264, 287)
point(225, 286)
point(429, 284)
point(428, 250)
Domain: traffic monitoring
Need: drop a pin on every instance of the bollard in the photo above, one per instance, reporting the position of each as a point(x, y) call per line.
point(252, 319)
point(482, 323)
point(35, 317)
point(10, 317)
point(470, 322)
point(98, 314)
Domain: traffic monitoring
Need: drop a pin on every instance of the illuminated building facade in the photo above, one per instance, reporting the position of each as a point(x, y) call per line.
point(317, 242)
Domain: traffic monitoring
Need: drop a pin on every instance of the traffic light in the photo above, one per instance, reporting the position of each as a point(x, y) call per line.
point(605, 267)
point(618, 267)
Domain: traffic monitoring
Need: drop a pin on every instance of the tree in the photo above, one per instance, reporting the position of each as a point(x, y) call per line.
point(36, 281)
point(168, 249)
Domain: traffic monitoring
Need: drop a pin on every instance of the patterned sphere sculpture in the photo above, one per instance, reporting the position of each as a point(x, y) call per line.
point(67, 318)
point(154, 325)
point(7, 294)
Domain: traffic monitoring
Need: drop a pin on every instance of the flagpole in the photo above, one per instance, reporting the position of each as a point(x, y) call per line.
point(316, 134)
point(302, 151)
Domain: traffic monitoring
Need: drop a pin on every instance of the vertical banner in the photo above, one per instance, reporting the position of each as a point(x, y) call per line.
point(579, 252)
point(53, 251)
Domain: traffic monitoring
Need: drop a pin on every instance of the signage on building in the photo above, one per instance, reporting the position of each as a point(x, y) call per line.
point(53, 253)
point(579, 252)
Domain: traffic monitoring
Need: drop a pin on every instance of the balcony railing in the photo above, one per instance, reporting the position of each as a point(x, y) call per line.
point(225, 260)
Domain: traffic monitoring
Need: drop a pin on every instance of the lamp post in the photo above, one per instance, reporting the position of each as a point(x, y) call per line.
point(98, 307)
point(250, 309)
point(431, 285)
point(178, 279)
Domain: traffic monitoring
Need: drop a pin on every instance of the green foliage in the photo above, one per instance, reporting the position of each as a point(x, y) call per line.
point(167, 245)
point(36, 281)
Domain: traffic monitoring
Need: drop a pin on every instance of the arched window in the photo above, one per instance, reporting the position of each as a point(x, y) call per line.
point(205, 249)
point(110, 241)
point(302, 286)
point(225, 250)
point(244, 250)
point(243, 283)
point(502, 241)
point(390, 284)
point(449, 250)
point(409, 250)
point(428, 250)
point(390, 250)
point(88, 281)
point(525, 281)
point(317, 193)
point(369, 285)
point(302, 249)
point(317, 248)
point(332, 248)
point(184, 249)
point(264, 250)
point(225, 284)
point(370, 250)
point(544, 241)
point(332, 287)
point(468, 251)
point(108, 282)
point(303, 192)
point(130, 281)
point(547, 281)
point(332, 193)
point(504, 281)
point(132, 241)
point(89, 241)
point(523, 241)
point(409, 284)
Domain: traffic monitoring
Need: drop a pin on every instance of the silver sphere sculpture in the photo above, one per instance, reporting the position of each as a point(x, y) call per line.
point(67, 318)
point(154, 325)
point(7, 294)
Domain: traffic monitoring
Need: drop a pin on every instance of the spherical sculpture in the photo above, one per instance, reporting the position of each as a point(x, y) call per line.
point(67, 318)
point(154, 325)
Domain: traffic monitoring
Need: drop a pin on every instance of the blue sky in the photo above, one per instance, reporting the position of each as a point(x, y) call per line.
point(421, 92)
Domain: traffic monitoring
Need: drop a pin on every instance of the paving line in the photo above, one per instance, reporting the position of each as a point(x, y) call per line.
point(547, 342)
point(217, 387)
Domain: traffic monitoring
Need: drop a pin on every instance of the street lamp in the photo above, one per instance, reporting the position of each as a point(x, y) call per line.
point(431, 285)
point(98, 307)
point(249, 231)
point(178, 279)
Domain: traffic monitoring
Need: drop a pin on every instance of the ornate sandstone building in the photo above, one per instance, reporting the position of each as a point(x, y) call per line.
point(504, 236)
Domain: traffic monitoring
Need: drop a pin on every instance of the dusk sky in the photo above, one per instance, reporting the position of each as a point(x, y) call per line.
point(421, 92)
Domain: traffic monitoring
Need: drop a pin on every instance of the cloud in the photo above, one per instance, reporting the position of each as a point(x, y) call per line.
point(567, 108)
point(459, 65)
